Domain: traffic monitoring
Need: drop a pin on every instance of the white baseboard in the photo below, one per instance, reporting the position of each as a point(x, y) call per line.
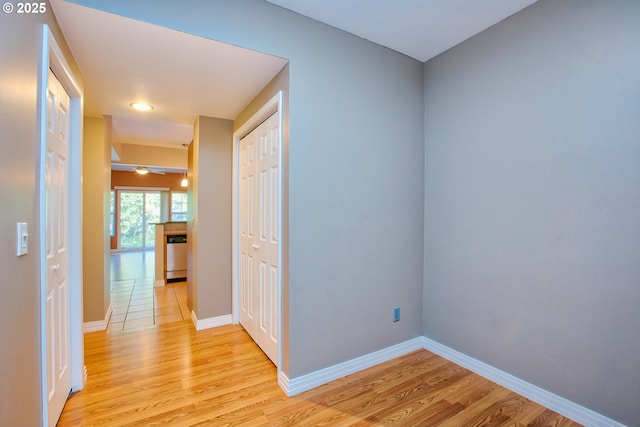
point(158, 283)
point(562, 406)
point(545, 398)
point(211, 322)
point(283, 382)
point(98, 325)
point(293, 386)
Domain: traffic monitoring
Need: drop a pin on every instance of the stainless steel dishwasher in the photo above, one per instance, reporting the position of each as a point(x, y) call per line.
point(176, 257)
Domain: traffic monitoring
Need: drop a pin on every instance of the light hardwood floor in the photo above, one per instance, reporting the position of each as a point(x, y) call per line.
point(173, 375)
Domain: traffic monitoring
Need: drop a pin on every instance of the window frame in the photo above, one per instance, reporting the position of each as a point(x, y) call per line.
point(183, 205)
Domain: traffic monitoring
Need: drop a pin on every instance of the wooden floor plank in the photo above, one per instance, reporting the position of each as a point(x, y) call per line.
point(173, 375)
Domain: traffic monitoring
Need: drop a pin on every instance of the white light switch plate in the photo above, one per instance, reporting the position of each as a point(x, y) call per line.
point(22, 238)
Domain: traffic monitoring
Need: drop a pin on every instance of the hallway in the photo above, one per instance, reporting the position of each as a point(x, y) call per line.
point(135, 302)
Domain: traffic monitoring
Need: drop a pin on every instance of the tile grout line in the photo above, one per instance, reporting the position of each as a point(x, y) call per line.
point(126, 314)
point(175, 295)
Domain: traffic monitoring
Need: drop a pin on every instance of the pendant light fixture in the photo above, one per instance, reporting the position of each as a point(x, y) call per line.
point(185, 181)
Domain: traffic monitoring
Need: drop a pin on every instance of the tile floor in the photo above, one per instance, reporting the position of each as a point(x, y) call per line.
point(135, 302)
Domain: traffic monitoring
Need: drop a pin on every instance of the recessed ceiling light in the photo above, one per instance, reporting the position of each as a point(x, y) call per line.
point(140, 106)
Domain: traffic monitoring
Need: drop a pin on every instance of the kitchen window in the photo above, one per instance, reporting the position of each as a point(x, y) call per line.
point(178, 206)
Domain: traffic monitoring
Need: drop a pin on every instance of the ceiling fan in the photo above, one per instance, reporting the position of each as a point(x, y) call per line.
point(143, 170)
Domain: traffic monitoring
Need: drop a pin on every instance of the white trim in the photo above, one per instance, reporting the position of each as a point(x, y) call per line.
point(51, 56)
point(211, 322)
point(545, 398)
point(98, 325)
point(138, 189)
point(158, 283)
point(284, 383)
point(235, 245)
point(266, 111)
point(274, 105)
point(297, 385)
point(564, 407)
point(95, 326)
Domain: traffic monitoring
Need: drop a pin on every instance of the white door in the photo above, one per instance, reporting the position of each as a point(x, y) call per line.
point(248, 242)
point(259, 221)
point(57, 252)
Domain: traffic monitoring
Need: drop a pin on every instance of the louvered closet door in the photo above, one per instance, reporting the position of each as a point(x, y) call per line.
point(259, 246)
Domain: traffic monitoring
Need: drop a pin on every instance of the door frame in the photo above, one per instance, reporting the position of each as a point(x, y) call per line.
point(51, 56)
point(274, 105)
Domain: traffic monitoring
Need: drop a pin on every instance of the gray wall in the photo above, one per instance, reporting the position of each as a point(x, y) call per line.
point(532, 235)
point(356, 174)
point(20, 398)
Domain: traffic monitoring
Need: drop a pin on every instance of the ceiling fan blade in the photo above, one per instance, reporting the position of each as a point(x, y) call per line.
point(141, 170)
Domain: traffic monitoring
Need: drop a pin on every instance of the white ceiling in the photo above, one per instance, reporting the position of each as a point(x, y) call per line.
point(183, 76)
point(420, 29)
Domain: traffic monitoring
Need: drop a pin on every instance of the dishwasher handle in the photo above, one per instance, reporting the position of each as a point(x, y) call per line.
point(176, 238)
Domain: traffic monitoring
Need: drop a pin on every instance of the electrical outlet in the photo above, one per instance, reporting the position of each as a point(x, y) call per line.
point(396, 314)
